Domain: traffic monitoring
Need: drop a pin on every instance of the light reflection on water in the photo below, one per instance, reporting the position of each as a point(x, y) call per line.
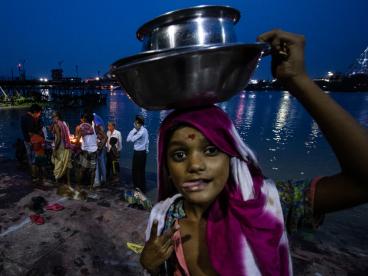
point(314, 134)
point(363, 116)
point(287, 141)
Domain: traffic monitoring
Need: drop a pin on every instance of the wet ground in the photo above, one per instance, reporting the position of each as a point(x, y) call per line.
point(86, 238)
point(89, 237)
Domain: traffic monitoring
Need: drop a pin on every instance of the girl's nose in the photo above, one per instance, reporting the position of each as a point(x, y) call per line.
point(196, 163)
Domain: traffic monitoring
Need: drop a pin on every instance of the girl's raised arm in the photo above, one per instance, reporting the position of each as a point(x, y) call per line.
point(348, 139)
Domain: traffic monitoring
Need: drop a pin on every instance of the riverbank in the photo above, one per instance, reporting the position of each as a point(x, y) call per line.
point(21, 106)
point(90, 237)
point(86, 238)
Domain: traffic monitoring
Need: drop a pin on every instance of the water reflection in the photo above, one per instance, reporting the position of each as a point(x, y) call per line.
point(113, 108)
point(274, 124)
point(283, 117)
point(247, 104)
point(363, 115)
point(223, 106)
point(314, 134)
point(144, 113)
point(240, 110)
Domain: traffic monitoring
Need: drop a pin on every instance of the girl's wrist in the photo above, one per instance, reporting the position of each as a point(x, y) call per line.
point(297, 81)
point(151, 270)
point(303, 88)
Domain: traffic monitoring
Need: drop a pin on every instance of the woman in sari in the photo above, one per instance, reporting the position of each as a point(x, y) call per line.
point(61, 156)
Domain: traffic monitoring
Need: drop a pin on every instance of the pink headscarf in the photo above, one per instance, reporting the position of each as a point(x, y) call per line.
point(245, 230)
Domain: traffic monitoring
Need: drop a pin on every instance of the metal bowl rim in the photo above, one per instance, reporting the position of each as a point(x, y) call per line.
point(180, 14)
point(181, 51)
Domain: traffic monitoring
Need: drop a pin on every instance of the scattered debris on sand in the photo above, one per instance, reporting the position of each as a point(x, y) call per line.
point(101, 235)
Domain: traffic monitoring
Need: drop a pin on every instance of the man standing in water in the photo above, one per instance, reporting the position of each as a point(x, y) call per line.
point(139, 136)
point(31, 124)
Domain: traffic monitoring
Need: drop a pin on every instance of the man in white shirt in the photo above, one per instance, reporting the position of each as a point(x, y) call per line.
point(139, 137)
point(112, 132)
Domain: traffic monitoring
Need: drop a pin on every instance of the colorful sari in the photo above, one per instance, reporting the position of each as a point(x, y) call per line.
point(62, 155)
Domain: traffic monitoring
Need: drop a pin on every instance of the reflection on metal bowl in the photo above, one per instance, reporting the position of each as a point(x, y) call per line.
point(196, 26)
point(189, 76)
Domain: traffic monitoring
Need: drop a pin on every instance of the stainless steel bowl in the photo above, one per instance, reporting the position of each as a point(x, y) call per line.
point(197, 26)
point(189, 76)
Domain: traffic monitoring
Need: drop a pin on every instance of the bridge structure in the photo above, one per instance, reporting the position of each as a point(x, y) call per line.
point(360, 66)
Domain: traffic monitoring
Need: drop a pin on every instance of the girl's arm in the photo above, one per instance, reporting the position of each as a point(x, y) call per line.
point(348, 139)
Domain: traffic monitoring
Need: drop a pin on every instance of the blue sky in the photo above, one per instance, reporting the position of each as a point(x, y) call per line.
point(93, 34)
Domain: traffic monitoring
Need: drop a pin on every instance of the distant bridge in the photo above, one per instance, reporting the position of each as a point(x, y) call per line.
point(360, 66)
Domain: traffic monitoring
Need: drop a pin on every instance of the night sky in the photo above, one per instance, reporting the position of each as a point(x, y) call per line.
point(93, 34)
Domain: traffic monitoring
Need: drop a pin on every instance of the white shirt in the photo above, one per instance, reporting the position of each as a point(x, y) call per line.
point(117, 135)
point(90, 142)
point(139, 138)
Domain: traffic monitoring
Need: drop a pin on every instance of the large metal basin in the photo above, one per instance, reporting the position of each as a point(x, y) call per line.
point(197, 26)
point(189, 76)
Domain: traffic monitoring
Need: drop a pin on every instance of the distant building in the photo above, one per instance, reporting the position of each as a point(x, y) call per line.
point(57, 74)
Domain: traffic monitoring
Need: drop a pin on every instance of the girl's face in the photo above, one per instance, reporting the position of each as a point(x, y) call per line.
point(197, 168)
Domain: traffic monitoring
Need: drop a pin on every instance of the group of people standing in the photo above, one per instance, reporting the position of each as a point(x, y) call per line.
point(93, 152)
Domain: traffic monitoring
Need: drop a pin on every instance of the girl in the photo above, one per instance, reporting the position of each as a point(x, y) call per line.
point(218, 214)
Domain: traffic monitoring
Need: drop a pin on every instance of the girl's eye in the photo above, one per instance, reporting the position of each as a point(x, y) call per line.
point(211, 151)
point(178, 156)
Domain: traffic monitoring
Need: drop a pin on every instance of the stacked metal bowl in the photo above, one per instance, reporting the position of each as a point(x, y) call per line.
point(190, 57)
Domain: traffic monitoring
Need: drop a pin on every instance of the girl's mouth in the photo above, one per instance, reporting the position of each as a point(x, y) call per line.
point(195, 185)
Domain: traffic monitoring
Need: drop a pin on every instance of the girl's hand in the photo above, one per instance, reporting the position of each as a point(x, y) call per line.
point(157, 249)
point(287, 54)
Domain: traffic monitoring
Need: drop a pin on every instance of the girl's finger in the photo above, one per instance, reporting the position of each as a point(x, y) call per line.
point(170, 232)
point(279, 35)
point(154, 229)
point(169, 251)
point(167, 243)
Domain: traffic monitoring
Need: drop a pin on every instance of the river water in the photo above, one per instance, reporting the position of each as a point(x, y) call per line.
point(285, 138)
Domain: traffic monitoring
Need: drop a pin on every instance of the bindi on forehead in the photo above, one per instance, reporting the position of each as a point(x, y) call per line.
point(191, 136)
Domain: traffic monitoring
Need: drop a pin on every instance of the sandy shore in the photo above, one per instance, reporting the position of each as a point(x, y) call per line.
point(89, 238)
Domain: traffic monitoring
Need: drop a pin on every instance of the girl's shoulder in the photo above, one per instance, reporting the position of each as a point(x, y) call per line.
point(159, 212)
point(162, 207)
